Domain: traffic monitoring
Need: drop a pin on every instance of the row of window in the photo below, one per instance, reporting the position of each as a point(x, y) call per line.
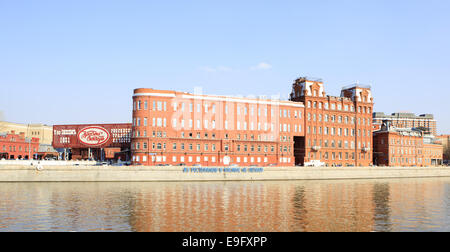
point(337, 144)
point(333, 106)
point(13, 148)
point(406, 151)
point(338, 119)
point(162, 122)
point(157, 105)
point(245, 137)
point(337, 131)
point(240, 109)
point(212, 147)
point(198, 159)
point(338, 156)
point(403, 142)
point(410, 161)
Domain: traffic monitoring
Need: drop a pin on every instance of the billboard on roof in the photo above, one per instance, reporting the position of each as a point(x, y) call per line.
point(92, 135)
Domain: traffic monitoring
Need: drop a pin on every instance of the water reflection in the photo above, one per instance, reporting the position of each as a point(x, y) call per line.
point(302, 206)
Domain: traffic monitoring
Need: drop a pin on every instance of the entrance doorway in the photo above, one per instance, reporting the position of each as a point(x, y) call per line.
point(299, 150)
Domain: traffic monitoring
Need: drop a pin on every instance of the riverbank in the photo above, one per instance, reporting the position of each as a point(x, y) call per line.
point(21, 173)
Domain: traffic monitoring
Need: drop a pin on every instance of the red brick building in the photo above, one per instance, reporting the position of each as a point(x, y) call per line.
point(405, 147)
point(338, 129)
point(17, 146)
point(175, 128)
point(180, 128)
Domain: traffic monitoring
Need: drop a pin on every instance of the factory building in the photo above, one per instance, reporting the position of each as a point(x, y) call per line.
point(178, 128)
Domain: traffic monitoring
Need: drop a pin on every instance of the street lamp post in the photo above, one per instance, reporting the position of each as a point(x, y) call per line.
point(29, 142)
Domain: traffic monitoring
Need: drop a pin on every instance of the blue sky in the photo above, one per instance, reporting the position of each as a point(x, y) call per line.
point(79, 61)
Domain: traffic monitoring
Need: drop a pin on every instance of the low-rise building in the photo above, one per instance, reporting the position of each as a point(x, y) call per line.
point(17, 146)
point(405, 147)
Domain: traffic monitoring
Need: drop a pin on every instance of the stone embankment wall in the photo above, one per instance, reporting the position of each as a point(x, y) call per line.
point(20, 173)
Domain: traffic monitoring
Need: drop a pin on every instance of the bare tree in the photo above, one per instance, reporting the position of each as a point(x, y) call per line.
point(2, 126)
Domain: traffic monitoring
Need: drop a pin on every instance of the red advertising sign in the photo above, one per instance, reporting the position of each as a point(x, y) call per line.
point(91, 136)
point(94, 136)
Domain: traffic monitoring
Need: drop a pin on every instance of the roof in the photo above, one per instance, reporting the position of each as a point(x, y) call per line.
point(356, 85)
point(401, 131)
point(183, 95)
point(405, 115)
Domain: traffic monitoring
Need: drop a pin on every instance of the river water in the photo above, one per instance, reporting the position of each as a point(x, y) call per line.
point(288, 206)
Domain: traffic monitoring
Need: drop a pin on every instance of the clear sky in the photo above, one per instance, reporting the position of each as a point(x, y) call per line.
point(79, 61)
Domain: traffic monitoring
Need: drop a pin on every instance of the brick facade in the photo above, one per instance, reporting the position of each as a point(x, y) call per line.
point(175, 128)
point(17, 146)
point(181, 128)
point(405, 147)
point(338, 129)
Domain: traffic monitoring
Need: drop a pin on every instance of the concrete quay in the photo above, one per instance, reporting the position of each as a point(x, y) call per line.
point(21, 173)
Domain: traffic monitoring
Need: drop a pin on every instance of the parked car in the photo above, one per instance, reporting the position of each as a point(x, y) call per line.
point(314, 163)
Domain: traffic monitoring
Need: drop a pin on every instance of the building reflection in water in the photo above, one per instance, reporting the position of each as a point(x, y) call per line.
point(301, 206)
point(314, 206)
point(334, 206)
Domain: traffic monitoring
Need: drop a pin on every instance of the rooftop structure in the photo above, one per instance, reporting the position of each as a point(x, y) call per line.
point(407, 120)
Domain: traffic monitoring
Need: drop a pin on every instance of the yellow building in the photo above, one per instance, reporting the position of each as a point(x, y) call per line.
point(41, 131)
